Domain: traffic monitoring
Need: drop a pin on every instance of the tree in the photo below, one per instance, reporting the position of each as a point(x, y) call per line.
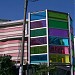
point(7, 67)
point(43, 69)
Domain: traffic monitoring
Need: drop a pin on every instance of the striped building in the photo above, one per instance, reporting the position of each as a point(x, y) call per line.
point(10, 39)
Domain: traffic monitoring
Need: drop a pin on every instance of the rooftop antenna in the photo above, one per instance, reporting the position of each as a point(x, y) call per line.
point(23, 36)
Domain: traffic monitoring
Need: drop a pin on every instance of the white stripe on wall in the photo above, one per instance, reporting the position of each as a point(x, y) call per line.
point(14, 58)
point(8, 33)
point(11, 51)
point(8, 45)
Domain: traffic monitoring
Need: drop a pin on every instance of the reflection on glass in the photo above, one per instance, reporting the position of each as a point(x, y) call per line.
point(38, 32)
point(59, 58)
point(58, 32)
point(39, 57)
point(38, 24)
point(39, 15)
point(58, 41)
point(59, 49)
point(38, 49)
point(38, 41)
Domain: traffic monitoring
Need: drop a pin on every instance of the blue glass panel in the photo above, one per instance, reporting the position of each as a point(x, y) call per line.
point(65, 42)
point(37, 62)
point(38, 58)
point(38, 24)
point(39, 15)
point(58, 41)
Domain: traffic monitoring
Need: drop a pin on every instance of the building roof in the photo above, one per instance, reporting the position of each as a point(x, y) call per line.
point(3, 24)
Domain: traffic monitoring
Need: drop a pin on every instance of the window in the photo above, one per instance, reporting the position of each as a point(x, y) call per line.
point(57, 24)
point(59, 49)
point(58, 41)
point(38, 49)
point(56, 58)
point(39, 57)
point(58, 15)
point(38, 41)
point(58, 32)
point(38, 15)
point(38, 24)
point(38, 32)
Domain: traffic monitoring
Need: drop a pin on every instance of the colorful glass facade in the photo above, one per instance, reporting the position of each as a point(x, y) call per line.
point(51, 38)
point(38, 38)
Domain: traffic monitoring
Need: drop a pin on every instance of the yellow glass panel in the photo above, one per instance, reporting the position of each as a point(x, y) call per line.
point(67, 59)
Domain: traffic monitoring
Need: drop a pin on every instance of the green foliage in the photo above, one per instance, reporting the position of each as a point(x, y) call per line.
point(6, 66)
point(44, 69)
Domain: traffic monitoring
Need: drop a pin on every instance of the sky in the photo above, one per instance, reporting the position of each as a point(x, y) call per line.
point(14, 9)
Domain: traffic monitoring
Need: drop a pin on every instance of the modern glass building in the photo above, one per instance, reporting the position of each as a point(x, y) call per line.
point(51, 39)
point(48, 39)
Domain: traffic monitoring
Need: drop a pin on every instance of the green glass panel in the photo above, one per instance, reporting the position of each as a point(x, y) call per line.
point(38, 49)
point(57, 24)
point(58, 15)
point(38, 32)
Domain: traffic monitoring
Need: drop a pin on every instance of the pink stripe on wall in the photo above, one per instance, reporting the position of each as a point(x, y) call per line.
point(11, 48)
point(11, 42)
point(13, 34)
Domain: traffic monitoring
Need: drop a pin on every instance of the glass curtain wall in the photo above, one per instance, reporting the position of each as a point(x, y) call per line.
point(38, 37)
point(50, 38)
point(58, 37)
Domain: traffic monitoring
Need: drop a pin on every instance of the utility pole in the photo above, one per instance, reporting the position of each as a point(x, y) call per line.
point(23, 39)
